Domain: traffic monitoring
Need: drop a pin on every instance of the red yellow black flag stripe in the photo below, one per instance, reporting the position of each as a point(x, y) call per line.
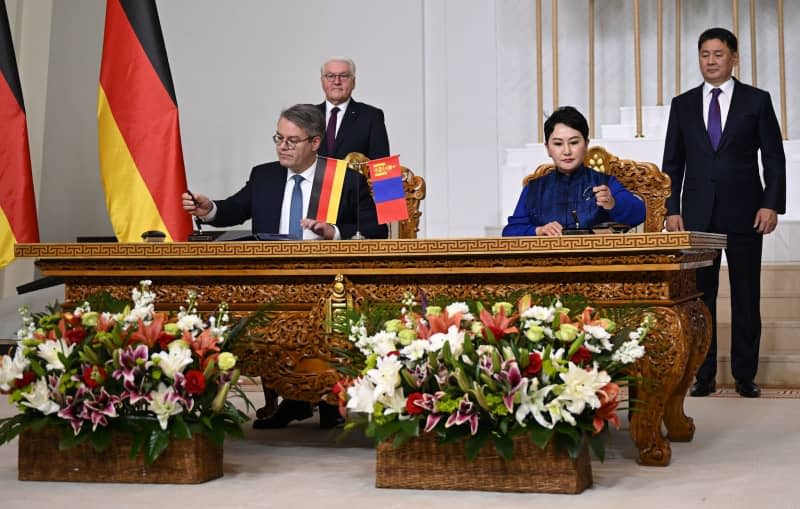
point(141, 160)
point(326, 190)
point(17, 200)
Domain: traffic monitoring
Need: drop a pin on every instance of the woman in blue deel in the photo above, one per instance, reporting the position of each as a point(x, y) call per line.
point(572, 196)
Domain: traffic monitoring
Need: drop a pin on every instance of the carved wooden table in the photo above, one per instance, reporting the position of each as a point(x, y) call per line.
point(309, 283)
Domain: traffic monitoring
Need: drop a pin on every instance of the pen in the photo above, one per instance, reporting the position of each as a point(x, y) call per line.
point(197, 220)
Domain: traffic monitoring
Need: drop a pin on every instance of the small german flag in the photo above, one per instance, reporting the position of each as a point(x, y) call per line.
point(17, 202)
point(386, 176)
point(326, 191)
point(141, 159)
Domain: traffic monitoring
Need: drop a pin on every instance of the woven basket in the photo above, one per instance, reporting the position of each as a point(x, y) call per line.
point(421, 463)
point(190, 461)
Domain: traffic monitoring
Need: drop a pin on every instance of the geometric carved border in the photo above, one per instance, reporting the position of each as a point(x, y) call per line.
point(653, 242)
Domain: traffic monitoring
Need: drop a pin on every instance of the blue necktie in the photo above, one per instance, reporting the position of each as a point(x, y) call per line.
point(714, 119)
point(296, 210)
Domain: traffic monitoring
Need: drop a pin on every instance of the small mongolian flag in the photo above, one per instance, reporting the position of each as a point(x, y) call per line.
point(326, 191)
point(386, 176)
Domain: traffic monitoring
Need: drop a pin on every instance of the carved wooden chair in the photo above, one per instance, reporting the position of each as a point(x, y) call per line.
point(414, 187)
point(643, 179)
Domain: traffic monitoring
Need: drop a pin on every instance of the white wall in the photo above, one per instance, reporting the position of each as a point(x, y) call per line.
point(456, 79)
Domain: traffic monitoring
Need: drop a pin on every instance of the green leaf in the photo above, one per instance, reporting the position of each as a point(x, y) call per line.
point(504, 446)
point(179, 428)
point(138, 443)
point(574, 448)
point(157, 442)
point(598, 445)
point(101, 439)
point(541, 436)
point(474, 444)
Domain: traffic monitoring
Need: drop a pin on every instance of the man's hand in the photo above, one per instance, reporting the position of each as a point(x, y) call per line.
point(552, 229)
point(198, 205)
point(766, 221)
point(324, 230)
point(674, 223)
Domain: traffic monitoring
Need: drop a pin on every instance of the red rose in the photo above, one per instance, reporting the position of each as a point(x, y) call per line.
point(164, 339)
point(411, 407)
point(75, 336)
point(195, 382)
point(534, 364)
point(27, 377)
point(582, 357)
point(94, 376)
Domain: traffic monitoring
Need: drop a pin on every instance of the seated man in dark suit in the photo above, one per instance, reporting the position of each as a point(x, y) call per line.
point(277, 197)
point(351, 126)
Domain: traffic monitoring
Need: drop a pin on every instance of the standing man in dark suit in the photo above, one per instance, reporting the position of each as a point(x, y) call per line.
point(351, 126)
point(276, 197)
point(711, 154)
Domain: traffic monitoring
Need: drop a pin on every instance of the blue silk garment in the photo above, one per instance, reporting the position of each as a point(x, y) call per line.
point(554, 197)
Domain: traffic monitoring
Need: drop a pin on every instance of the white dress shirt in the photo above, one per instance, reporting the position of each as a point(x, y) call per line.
point(724, 101)
point(339, 116)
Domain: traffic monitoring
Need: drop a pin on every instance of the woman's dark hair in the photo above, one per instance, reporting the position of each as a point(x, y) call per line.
point(722, 34)
point(570, 117)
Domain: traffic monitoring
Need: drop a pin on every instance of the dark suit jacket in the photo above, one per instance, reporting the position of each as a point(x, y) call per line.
point(362, 130)
point(725, 183)
point(261, 199)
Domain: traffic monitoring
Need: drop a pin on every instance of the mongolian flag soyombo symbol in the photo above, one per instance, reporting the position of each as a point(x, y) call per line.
point(326, 190)
point(17, 201)
point(387, 189)
point(141, 160)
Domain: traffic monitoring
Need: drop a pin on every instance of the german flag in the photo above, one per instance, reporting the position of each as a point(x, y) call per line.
point(17, 201)
point(326, 191)
point(141, 161)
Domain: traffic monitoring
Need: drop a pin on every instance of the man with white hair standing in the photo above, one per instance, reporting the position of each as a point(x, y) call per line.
point(351, 126)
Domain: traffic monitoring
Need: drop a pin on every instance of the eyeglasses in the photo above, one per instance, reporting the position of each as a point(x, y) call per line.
point(290, 142)
point(587, 193)
point(330, 77)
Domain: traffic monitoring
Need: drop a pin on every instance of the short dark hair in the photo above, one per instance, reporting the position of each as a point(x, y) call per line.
point(307, 117)
point(570, 117)
point(722, 34)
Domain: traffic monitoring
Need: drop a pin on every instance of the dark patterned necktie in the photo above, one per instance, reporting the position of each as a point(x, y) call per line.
point(330, 133)
point(714, 119)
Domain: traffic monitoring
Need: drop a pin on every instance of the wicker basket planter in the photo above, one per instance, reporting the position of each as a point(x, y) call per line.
point(184, 462)
point(422, 464)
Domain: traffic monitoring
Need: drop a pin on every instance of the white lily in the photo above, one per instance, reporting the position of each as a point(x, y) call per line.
point(173, 361)
point(416, 350)
point(39, 398)
point(580, 388)
point(361, 396)
point(386, 375)
point(532, 402)
point(49, 351)
point(165, 403)
point(12, 368)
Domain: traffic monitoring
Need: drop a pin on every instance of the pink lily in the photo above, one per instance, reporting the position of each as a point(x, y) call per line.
point(511, 379)
point(465, 413)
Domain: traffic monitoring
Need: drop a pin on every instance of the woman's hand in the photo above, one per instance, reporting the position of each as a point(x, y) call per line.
point(604, 197)
point(551, 229)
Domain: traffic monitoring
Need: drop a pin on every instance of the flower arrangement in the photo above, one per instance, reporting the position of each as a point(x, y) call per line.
point(489, 373)
point(108, 366)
